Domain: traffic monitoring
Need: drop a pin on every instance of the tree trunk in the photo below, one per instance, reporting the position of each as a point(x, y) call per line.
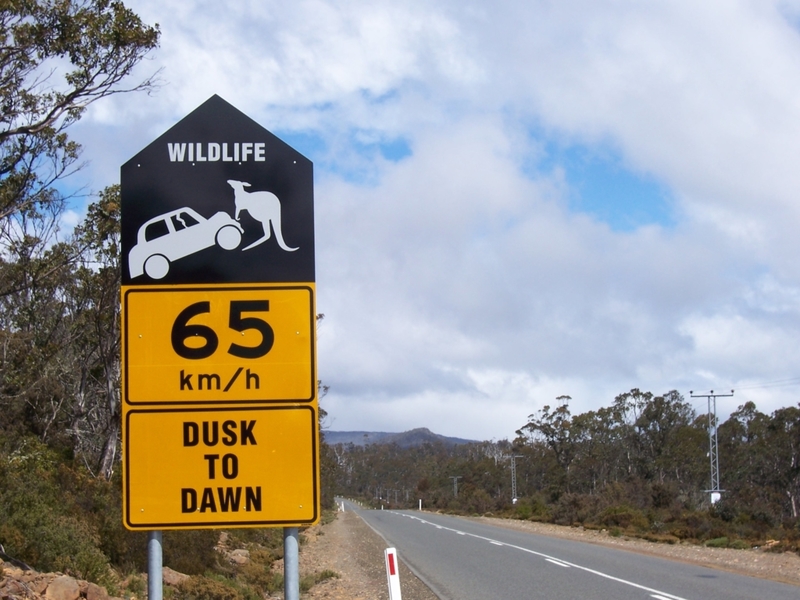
point(110, 450)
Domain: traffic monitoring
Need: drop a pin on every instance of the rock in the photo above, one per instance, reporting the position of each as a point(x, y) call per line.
point(95, 592)
point(239, 557)
point(63, 587)
point(39, 583)
point(172, 578)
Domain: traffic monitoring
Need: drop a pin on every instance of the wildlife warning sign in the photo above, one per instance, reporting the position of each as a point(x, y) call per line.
point(219, 377)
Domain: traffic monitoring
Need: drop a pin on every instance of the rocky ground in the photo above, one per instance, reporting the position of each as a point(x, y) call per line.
point(16, 584)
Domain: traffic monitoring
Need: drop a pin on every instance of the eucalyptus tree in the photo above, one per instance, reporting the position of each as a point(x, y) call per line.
point(58, 297)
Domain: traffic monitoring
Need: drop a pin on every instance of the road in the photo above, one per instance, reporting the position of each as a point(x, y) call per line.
point(463, 560)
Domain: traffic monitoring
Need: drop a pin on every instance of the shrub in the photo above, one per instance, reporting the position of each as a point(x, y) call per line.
point(261, 577)
point(523, 510)
point(44, 526)
point(309, 581)
point(624, 516)
point(661, 538)
point(191, 551)
point(574, 508)
point(206, 588)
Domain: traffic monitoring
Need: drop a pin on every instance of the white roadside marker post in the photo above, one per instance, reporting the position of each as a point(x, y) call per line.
point(392, 574)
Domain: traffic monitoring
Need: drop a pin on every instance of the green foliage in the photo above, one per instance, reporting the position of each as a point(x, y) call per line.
point(200, 587)
point(260, 576)
point(46, 523)
point(191, 551)
point(625, 517)
point(58, 298)
point(309, 581)
point(639, 466)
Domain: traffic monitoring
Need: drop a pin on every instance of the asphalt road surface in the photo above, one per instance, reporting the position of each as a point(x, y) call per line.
point(463, 560)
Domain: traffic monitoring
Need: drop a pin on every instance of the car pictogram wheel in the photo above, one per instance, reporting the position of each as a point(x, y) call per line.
point(229, 237)
point(156, 266)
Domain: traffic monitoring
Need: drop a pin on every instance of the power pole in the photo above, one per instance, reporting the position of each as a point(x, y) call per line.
point(713, 453)
point(514, 477)
point(455, 484)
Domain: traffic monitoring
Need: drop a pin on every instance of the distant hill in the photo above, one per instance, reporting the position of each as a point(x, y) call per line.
point(406, 439)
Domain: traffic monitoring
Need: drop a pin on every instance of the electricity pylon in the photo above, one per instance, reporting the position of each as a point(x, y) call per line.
point(713, 453)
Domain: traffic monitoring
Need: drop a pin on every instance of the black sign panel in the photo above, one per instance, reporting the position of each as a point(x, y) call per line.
point(217, 199)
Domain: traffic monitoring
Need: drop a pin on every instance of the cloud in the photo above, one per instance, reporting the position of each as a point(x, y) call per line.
point(461, 282)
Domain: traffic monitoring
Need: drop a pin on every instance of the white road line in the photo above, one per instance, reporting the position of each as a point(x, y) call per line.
point(654, 593)
point(557, 562)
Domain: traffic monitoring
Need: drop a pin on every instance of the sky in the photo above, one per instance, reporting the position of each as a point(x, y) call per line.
point(519, 200)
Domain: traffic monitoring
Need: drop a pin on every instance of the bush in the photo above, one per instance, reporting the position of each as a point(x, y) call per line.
point(206, 588)
point(661, 538)
point(309, 581)
point(574, 508)
point(191, 551)
point(43, 525)
point(720, 542)
point(523, 510)
point(261, 577)
point(625, 517)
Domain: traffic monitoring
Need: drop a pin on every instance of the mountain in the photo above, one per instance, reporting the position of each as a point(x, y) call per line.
point(406, 439)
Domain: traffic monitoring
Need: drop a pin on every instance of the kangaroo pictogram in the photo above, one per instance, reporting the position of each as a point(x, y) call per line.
point(264, 207)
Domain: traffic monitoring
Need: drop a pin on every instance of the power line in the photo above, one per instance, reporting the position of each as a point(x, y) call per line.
point(770, 384)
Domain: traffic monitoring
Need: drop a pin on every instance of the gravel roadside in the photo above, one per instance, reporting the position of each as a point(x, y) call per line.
point(351, 548)
point(354, 550)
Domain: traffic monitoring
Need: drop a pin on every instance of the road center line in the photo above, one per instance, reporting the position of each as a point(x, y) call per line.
point(557, 562)
point(653, 592)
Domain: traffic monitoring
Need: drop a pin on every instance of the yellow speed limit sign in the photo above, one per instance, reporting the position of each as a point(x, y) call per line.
point(219, 344)
point(215, 467)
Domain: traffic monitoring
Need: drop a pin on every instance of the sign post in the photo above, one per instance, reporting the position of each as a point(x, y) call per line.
point(219, 381)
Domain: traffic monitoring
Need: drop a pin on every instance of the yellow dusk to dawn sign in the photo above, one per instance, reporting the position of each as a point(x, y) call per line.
point(219, 382)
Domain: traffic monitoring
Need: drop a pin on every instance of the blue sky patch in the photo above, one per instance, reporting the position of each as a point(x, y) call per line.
point(602, 186)
point(309, 144)
point(395, 150)
point(355, 163)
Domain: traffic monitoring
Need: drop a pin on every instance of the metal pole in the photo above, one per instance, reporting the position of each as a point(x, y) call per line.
point(514, 458)
point(455, 484)
point(713, 444)
point(155, 572)
point(291, 563)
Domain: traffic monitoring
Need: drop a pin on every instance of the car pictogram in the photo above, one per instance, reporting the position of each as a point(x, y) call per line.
point(176, 234)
